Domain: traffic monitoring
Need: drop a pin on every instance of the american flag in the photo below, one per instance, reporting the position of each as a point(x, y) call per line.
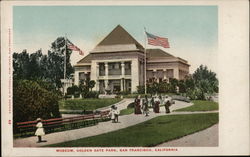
point(75, 48)
point(157, 41)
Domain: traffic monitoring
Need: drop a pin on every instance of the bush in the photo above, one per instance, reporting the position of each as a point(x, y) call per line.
point(73, 90)
point(91, 94)
point(31, 101)
point(195, 94)
point(140, 89)
point(124, 93)
point(131, 105)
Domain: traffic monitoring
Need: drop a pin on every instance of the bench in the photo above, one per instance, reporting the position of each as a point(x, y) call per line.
point(26, 128)
point(104, 115)
point(50, 125)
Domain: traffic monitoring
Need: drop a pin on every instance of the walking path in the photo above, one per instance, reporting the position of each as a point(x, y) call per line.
point(205, 138)
point(120, 105)
point(103, 127)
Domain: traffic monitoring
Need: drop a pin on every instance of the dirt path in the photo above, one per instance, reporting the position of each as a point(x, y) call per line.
point(103, 127)
point(205, 138)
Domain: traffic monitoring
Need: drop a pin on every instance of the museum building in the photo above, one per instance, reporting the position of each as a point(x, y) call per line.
point(117, 63)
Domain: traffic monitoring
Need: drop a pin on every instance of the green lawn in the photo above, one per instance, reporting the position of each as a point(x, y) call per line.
point(149, 133)
point(127, 111)
point(87, 104)
point(201, 105)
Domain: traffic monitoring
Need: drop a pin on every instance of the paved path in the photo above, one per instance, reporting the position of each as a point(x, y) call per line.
point(120, 105)
point(205, 138)
point(103, 127)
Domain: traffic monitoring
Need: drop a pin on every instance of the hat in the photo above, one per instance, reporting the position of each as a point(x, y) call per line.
point(38, 119)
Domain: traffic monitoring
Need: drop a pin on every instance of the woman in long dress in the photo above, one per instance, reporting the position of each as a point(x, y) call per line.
point(40, 130)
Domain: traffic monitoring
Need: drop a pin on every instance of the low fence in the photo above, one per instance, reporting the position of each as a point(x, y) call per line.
point(60, 124)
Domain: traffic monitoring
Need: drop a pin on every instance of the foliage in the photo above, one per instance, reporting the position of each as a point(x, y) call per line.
point(201, 105)
point(84, 87)
point(206, 79)
point(149, 133)
point(141, 89)
point(31, 101)
point(73, 90)
point(124, 93)
point(47, 67)
point(203, 82)
point(87, 104)
point(173, 83)
point(91, 84)
point(91, 94)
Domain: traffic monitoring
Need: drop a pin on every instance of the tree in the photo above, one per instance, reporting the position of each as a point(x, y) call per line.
point(206, 80)
point(202, 82)
point(173, 83)
point(31, 101)
point(73, 90)
point(48, 67)
point(91, 84)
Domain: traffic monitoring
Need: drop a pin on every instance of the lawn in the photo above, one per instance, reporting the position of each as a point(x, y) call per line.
point(149, 133)
point(87, 104)
point(127, 111)
point(201, 105)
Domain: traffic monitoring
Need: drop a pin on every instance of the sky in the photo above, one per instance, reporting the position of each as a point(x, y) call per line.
point(192, 31)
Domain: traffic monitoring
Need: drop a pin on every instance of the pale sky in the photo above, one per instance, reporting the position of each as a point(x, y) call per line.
point(192, 30)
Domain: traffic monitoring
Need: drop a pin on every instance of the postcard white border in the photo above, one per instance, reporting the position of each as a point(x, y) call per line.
point(233, 76)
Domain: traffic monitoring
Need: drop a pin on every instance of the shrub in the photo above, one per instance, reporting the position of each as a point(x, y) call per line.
point(131, 105)
point(140, 89)
point(195, 94)
point(31, 101)
point(91, 94)
point(124, 93)
point(73, 90)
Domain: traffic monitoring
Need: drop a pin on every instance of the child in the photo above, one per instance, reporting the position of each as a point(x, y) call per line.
point(39, 131)
point(112, 113)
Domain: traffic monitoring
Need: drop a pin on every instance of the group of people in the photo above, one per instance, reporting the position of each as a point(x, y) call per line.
point(141, 105)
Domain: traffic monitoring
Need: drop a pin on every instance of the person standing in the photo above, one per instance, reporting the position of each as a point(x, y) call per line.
point(145, 108)
point(139, 105)
point(135, 105)
point(157, 105)
point(167, 104)
point(112, 113)
point(117, 112)
point(153, 103)
point(40, 130)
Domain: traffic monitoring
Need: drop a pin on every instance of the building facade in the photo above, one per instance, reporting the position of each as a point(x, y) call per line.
point(117, 64)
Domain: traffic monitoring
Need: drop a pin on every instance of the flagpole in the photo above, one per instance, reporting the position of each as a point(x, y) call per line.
point(65, 46)
point(145, 64)
point(65, 59)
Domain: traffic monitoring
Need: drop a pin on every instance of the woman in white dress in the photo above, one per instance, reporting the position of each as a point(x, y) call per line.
point(40, 130)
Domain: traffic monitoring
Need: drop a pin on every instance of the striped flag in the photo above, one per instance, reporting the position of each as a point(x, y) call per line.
point(157, 41)
point(75, 48)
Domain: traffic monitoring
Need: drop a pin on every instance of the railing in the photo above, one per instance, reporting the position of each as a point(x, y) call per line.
point(60, 124)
